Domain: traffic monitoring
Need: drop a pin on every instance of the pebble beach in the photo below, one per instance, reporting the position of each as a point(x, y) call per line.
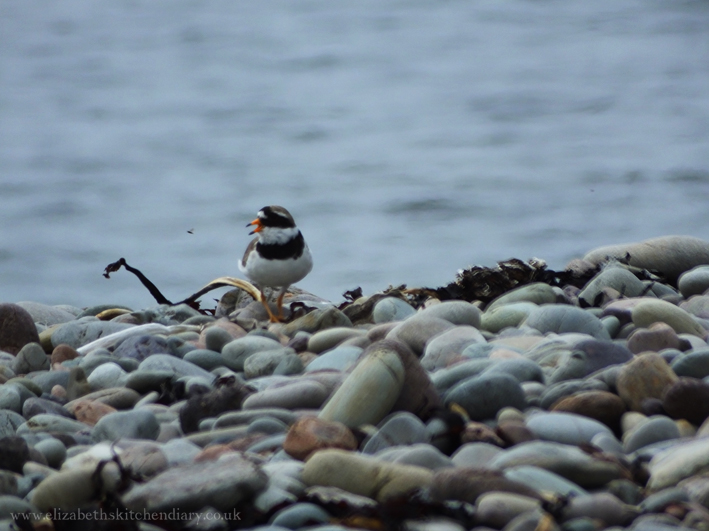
point(552, 406)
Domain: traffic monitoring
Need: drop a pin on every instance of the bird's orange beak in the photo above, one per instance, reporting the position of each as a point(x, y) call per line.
point(258, 228)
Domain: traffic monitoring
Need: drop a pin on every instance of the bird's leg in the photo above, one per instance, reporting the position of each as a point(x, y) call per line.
point(279, 302)
point(264, 300)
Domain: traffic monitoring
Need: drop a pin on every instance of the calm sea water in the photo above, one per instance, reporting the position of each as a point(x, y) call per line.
point(408, 138)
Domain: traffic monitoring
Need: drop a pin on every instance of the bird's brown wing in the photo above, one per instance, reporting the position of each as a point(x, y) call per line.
point(250, 248)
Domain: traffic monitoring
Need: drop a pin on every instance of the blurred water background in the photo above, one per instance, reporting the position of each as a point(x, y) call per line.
point(409, 139)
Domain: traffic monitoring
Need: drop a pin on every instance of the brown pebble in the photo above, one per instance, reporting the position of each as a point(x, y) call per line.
point(657, 337)
point(688, 398)
point(646, 376)
point(58, 391)
point(16, 328)
point(214, 452)
point(602, 406)
point(310, 434)
point(90, 411)
point(479, 432)
point(63, 353)
point(514, 432)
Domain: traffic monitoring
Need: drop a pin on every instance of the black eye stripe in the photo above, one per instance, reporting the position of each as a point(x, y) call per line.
point(271, 218)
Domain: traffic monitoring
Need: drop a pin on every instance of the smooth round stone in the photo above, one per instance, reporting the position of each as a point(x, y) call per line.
point(544, 481)
point(330, 338)
point(16, 328)
point(10, 398)
point(95, 359)
point(644, 377)
point(561, 319)
point(602, 406)
point(30, 358)
point(677, 462)
point(319, 319)
point(299, 394)
point(568, 461)
point(418, 395)
point(693, 364)
point(432, 524)
point(51, 423)
point(671, 255)
point(53, 451)
point(136, 424)
point(419, 454)
point(222, 484)
point(179, 368)
point(468, 484)
point(446, 347)
point(687, 398)
point(144, 381)
point(649, 311)
point(391, 309)
point(216, 337)
point(602, 506)
point(37, 406)
point(483, 396)
point(90, 411)
point(537, 293)
point(694, 282)
point(455, 312)
point(444, 379)
point(522, 369)
point(9, 485)
point(9, 422)
point(290, 364)
point(74, 488)
point(369, 391)
point(497, 509)
point(269, 426)
point(47, 315)
point(270, 444)
point(657, 337)
point(339, 359)
point(79, 333)
point(236, 352)
point(227, 397)
point(142, 346)
point(106, 376)
point(117, 397)
point(698, 305)
point(311, 434)
point(398, 429)
point(615, 277)
point(658, 502)
point(504, 316)
point(655, 429)
point(363, 475)
point(300, 515)
point(206, 359)
point(265, 362)
point(475, 455)
point(588, 357)
point(236, 418)
point(24, 390)
point(14, 453)
point(417, 330)
point(566, 428)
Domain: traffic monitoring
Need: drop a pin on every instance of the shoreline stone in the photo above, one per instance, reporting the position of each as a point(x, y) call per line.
point(576, 406)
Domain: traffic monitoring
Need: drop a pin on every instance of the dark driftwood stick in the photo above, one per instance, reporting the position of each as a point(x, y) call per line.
point(160, 298)
point(154, 291)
